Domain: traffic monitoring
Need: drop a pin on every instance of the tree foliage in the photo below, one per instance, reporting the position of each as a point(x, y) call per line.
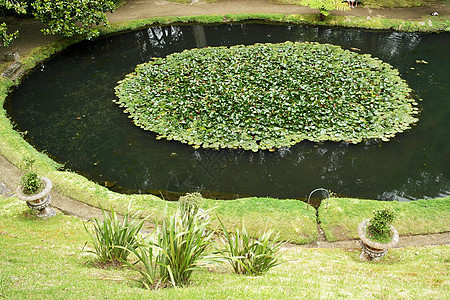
point(6, 37)
point(324, 6)
point(65, 17)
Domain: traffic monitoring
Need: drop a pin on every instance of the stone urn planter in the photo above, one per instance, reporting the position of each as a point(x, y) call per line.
point(39, 201)
point(372, 250)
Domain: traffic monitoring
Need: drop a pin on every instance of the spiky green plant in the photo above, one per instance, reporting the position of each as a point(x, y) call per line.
point(112, 238)
point(178, 246)
point(145, 253)
point(190, 203)
point(182, 240)
point(251, 256)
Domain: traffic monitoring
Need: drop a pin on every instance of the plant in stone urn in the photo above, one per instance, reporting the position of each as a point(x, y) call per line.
point(377, 234)
point(35, 191)
point(31, 183)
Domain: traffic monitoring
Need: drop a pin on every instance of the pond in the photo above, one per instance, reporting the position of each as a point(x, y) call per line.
point(66, 107)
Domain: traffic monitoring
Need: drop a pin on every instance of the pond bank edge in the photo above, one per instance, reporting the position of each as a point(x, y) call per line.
point(14, 148)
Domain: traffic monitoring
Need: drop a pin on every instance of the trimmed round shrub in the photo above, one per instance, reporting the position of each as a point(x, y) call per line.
point(267, 96)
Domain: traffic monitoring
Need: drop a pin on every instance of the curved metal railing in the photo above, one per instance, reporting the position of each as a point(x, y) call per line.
point(319, 189)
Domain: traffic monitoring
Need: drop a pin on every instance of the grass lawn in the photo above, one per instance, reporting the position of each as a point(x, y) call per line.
point(290, 217)
point(340, 220)
point(293, 219)
point(43, 259)
point(397, 3)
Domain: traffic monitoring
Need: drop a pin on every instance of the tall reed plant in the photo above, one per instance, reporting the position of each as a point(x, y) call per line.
point(112, 238)
point(182, 240)
point(146, 253)
point(250, 256)
point(190, 203)
point(177, 247)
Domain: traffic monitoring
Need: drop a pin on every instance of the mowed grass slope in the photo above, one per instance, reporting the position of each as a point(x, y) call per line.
point(340, 220)
point(293, 219)
point(42, 259)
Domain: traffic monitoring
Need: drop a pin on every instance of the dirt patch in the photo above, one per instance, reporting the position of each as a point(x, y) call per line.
point(30, 36)
point(339, 233)
point(139, 9)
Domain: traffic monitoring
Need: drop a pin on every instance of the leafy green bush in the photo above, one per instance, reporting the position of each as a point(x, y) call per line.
point(251, 256)
point(267, 96)
point(379, 228)
point(325, 6)
point(113, 239)
point(30, 181)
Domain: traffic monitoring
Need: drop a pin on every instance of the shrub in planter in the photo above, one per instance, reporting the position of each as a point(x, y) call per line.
point(35, 191)
point(379, 228)
point(31, 183)
point(191, 203)
point(377, 234)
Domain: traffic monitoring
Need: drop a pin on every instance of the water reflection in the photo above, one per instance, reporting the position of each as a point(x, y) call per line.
point(74, 119)
point(398, 43)
point(161, 36)
point(199, 35)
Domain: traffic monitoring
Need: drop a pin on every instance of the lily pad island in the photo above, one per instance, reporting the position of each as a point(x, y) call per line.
point(267, 96)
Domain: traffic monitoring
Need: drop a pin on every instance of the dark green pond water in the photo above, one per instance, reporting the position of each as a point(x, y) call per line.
point(67, 108)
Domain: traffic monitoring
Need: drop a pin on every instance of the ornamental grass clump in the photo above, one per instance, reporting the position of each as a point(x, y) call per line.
point(191, 203)
point(146, 254)
point(112, 239)
point(182, 241)
point(177, 247)
point(379, 228)
point(267, 96)
point(250, 256)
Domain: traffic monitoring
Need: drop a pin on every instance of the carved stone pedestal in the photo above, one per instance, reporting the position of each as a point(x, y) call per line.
point(40, 201)
point(373, 250)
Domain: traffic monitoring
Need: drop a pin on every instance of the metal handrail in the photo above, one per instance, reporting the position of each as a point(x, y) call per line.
point(319, 189)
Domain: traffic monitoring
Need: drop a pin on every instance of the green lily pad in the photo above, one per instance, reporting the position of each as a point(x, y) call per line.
point(267, 96)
